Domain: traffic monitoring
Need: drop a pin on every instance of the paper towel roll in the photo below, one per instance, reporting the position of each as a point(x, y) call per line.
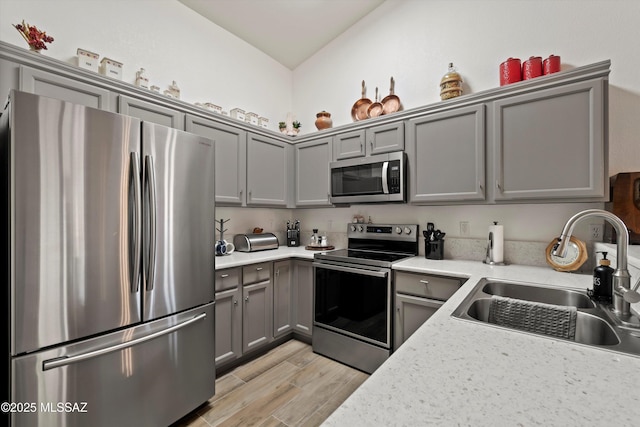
point(498, 242)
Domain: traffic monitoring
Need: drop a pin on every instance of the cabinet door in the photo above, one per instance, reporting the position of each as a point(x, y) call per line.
point(282, 298)
point(312, 172)
point(54, 86)
point(385, 138)
point(269, 166)
point(228, 333)
point(150, 112)
point(230, 157)
point(303, 297)
point(446, 154)
point(349, 145)
point(411, 313)
point(257, 315)
point(551, 144)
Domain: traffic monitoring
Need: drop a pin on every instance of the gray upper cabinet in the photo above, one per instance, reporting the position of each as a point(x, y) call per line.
point(269, 171)
point(446, 155)
point(230, 158)
point(551, 144)
point(312, 172)
point(150, 112)
point(366, 142)
point(54, 86)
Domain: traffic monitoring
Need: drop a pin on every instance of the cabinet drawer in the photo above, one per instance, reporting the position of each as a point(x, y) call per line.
point(427, 286)
point(228, 279)
point(256, 273)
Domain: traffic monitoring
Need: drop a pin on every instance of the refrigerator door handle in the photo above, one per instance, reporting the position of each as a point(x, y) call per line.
point(134, 236)
point(150, 182)
point(67, 360)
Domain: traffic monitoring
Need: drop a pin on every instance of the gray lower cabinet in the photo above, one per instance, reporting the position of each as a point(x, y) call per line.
point(269, 171)
point(551, 144)
point(446, 155)
point(303, 297)
point(366, 142)
point(257, 310)
point(417, 297)
point(312, 172)
point(150, 112)
point(230, 158)
point(52, 85)
point(228, 332)
point(282, 298)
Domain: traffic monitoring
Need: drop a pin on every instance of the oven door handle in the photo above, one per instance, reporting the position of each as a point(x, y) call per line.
point(361, 271)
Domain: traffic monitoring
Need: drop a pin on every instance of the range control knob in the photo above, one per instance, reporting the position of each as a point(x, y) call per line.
point(360, 228)
point(398, 230)
point(353, 228)
point(407, 230)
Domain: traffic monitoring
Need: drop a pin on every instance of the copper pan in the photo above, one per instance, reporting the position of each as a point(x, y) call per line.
point(375, 109)
point(359, 109)
point(391, 103)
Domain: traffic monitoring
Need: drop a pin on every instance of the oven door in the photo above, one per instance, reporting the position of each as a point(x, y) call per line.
point(370, 179)
point(353, 301)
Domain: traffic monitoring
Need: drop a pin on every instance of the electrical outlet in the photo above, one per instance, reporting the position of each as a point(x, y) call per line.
point(464, 228)
point(595, 231)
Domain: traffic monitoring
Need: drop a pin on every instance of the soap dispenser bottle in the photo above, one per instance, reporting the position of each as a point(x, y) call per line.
point(602, 280)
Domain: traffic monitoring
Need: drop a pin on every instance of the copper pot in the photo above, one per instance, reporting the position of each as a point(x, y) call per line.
point(391, 103)
point(359, 109)
point(375, 109)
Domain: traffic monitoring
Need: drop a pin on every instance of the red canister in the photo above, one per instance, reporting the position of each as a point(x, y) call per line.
point(510, 71)
point(532, 68)
point(551, 65)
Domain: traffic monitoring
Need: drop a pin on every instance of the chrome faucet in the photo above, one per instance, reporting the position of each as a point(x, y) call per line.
point(622, 294)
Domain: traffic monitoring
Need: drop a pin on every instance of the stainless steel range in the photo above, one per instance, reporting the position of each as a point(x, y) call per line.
point(353, 290)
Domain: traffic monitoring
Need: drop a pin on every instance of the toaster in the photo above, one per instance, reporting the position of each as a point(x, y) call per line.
point(255, 242)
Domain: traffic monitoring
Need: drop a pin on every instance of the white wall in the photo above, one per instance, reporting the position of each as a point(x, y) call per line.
point(169, 40)
point(414, 40)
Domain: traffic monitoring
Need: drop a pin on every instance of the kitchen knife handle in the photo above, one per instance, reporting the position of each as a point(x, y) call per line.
point(134, 235)
point(150, 182)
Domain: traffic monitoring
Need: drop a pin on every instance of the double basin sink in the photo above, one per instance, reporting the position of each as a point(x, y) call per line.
point(595, 324)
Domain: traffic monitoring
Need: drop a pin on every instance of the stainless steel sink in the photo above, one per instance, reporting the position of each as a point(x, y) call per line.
point(595, 324)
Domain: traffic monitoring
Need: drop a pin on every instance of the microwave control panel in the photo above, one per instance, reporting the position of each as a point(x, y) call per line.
point(394, 177)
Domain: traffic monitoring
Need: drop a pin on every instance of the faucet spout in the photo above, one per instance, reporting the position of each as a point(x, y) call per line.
point(621, 277)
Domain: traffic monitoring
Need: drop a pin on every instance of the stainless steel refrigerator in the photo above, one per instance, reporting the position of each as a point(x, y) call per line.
point(107, 237)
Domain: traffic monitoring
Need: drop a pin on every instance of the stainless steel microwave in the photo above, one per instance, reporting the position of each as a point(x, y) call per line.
point(372, 179)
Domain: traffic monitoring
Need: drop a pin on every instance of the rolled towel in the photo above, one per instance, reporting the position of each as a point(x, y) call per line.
point(546, 319)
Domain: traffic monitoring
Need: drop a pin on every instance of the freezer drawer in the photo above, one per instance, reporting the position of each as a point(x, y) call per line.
point(151, 383)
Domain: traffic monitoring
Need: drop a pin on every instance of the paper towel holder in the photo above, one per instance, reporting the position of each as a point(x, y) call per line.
point(490, 256)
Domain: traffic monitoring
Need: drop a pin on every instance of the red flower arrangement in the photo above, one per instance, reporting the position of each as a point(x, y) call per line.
point(33, 35)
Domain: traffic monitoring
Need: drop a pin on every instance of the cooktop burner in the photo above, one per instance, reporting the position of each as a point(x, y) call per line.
point(377, 245)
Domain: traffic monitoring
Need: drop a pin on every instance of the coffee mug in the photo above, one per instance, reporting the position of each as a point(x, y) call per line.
point(221, 247)
point(230, 247)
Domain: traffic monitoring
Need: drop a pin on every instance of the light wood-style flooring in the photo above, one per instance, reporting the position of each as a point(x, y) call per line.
point(288, 386)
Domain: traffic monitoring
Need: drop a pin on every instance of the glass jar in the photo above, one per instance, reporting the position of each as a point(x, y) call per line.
point(315, 239)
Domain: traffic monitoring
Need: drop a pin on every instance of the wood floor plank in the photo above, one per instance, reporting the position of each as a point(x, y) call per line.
point(303, 357)
point(225, 385)
point(272, 422)
point(269, 360)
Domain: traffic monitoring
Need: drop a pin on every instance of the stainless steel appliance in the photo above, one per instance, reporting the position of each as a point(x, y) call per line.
point(107, 238)
point(353, 294)
point(379, 178)
point(255, 242)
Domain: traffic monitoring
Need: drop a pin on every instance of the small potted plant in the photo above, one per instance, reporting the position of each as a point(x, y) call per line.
point(296, 127)
point(282, 126)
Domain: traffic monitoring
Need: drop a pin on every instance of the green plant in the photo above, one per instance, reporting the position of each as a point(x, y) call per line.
point(282, 125)
point(296, 124)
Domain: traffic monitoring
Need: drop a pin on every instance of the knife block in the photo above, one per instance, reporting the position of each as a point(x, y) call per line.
point(434, 249)
point(293, 238)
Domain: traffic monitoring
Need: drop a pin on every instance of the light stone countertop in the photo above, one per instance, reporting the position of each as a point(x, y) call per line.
point(238, 259)
point(456, 372)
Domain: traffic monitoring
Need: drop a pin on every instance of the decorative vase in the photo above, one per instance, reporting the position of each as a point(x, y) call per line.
point(323, 120)
point(34, 49)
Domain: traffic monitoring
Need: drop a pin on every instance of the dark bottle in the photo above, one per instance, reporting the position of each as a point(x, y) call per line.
point(602, 278)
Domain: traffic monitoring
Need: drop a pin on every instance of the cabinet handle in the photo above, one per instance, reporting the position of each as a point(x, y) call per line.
point(246, 298)
point(241, 193)
point(426, 282)
point(235, 302)
point(249, 194)
point(278, 272)
point(498, 186)
point(371, 144)
point(480, 186)
point(223, 276)
point(258, 268)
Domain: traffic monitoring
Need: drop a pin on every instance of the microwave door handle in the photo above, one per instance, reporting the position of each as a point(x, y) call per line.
point(136, 229)
point(150, 182)
point(385, 181)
